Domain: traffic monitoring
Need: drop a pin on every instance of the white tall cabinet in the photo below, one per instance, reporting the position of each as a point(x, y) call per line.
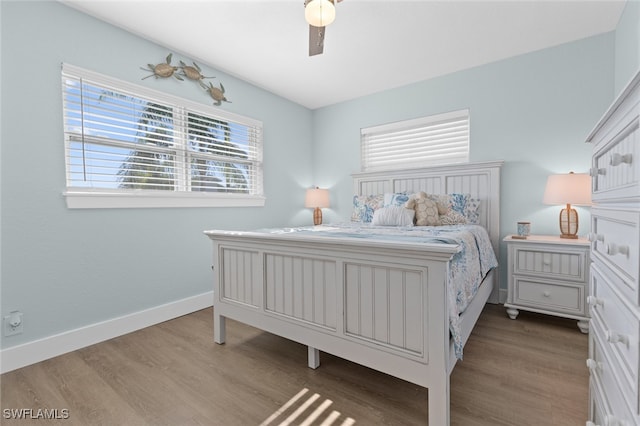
point(614, 300)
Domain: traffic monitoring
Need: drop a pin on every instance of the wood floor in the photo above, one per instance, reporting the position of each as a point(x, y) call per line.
point(530, 371)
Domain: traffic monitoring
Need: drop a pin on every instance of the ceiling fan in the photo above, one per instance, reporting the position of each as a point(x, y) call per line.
point(319, 14)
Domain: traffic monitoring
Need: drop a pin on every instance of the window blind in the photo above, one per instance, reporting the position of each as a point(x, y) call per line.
point(433, 140)
point(124, 137)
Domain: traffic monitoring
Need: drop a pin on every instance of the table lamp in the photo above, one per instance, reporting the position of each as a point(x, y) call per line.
point(316, 199)
point(570, 188)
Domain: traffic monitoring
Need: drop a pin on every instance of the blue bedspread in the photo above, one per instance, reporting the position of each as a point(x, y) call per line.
point(468, 267)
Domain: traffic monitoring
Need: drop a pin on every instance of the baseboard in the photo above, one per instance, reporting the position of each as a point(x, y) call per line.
point(503, 295)
point(39, 350)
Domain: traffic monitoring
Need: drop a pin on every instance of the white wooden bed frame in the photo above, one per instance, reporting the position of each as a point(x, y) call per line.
point(376, 303)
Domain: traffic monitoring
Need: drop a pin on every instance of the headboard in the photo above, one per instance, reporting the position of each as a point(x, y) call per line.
point(481, 180)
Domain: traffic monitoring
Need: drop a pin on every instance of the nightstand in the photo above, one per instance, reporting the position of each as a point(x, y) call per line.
point(549, 275)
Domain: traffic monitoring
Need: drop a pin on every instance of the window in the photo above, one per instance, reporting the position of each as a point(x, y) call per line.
point(129, 146)
point(427, 141)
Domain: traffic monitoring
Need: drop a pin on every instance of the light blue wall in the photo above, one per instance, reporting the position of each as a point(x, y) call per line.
point(627, 45)
point(70, 268)
point(533, 111)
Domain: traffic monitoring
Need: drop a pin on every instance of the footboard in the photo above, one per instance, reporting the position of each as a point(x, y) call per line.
point(376, 303)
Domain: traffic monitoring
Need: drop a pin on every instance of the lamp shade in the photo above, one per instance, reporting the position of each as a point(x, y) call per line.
point(316, 197)
point(320, 13)
point(568, 188)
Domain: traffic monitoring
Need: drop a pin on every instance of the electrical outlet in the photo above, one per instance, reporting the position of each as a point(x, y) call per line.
point(13, 323)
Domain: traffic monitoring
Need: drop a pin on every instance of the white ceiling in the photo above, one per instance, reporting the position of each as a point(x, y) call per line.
point(372, 45)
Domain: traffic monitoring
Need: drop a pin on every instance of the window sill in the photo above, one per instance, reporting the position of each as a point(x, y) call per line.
point(97, 199)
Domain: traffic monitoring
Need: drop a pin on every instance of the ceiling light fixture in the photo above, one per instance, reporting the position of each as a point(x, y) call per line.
point(320, 13)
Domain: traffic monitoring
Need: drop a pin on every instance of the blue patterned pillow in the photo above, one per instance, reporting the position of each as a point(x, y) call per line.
point(460, 203)
point(472, 210)
point(364, 206)
point(395, 199)
point(466, 206)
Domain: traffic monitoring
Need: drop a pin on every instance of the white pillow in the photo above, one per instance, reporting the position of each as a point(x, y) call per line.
point(393, 216)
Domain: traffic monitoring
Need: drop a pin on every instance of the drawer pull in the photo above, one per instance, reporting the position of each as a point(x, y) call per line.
point(617, 159)
point(592, 236)
point(613, 249)
point(595, 171)
point(546, 293)
point(594, 365)
point(613, 337)
point(595, 301)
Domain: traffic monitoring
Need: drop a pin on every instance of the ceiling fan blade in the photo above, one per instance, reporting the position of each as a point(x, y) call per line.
point(316, 40)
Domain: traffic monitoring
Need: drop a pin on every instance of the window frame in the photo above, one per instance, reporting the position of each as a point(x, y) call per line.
point(387, 133)
point(82, 197)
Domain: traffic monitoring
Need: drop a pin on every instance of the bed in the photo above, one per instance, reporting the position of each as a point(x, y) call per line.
point(380, 302)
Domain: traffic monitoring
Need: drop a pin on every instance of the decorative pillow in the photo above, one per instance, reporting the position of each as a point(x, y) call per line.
point(426, 210)
point(393, 216)
point(395, 199)
point(452, 218)
point(471, 210)
point(461, 203)
point(364, 206)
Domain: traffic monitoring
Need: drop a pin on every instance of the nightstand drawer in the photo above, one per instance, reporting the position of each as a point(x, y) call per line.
point(565, 298)
point(615, 236)
point(565, 264)
point(618, 324)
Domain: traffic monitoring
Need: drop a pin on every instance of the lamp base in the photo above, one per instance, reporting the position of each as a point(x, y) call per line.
point(569, 236)
point(317, 216)
point(569, 223)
